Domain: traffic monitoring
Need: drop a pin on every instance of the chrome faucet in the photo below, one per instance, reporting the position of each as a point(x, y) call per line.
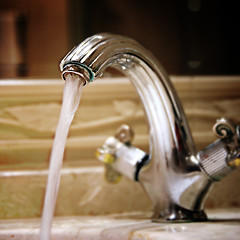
point(175, 176)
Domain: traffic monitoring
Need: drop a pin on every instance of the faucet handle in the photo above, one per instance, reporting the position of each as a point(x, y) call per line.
point(120, 158)
point(229, 133)
point(125, 134)
point(226, 129)
point(223, 156)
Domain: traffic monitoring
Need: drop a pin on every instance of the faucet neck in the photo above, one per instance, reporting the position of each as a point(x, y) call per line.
point(167, 122)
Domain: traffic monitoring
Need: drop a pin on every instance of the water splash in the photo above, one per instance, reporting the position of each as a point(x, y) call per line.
point(71, 98)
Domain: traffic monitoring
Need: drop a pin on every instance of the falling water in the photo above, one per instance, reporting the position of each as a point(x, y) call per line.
point(71, 98)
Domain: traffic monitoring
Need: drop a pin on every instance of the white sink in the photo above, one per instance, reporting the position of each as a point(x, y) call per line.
point(223, 224)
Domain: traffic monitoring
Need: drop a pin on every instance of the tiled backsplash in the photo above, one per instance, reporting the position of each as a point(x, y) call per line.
point(29, 111)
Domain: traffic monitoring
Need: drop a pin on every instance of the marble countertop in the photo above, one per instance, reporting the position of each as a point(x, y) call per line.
point(222, 224)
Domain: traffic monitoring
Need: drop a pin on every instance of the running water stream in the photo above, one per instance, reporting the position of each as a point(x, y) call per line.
point(71, 98)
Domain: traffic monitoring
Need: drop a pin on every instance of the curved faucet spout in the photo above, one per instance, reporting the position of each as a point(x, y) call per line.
point(172, 175)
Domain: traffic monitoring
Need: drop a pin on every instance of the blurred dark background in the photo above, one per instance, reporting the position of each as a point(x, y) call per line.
point(189, 37)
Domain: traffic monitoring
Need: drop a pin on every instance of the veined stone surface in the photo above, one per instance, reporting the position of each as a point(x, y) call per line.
point(29, 111)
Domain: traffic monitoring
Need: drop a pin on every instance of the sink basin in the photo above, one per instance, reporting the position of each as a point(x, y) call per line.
point(223, 224)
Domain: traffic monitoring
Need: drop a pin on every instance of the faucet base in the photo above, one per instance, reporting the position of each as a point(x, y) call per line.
point(179, 214)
